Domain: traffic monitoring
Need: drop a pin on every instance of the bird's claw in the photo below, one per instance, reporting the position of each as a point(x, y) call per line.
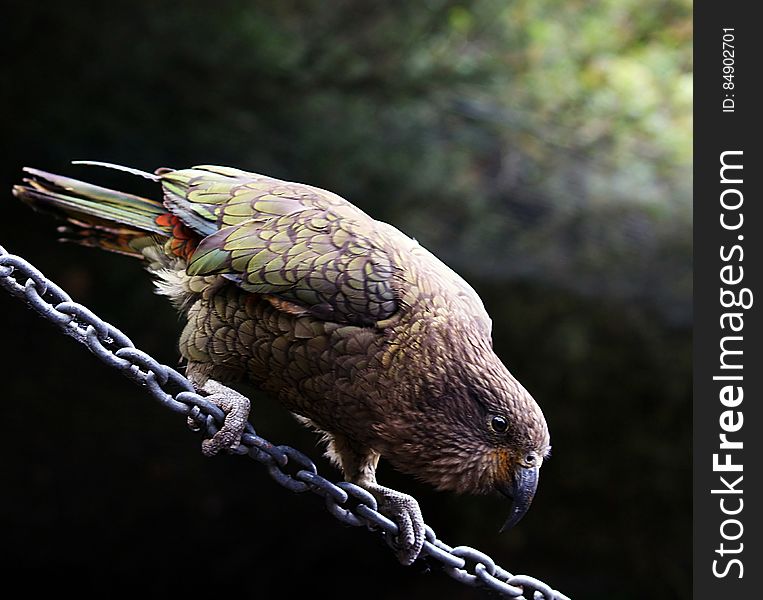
point(406, 513)
point(236, 408)
point(193, 425)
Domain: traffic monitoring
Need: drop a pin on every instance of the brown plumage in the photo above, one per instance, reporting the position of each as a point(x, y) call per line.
point(349, 323)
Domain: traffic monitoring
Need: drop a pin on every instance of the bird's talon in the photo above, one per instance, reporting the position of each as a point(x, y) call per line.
point(236, 409)
point(405, 512)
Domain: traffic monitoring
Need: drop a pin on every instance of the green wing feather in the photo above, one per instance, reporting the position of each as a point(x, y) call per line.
point(207, 198)
point(297, 242)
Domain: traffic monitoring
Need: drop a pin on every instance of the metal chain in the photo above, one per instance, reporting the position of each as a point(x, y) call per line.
point(349, 503)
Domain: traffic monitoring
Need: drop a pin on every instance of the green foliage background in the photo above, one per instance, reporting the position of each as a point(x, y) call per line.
point(541, 148)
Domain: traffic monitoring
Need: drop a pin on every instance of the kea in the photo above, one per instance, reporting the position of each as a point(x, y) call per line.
point(350, 324)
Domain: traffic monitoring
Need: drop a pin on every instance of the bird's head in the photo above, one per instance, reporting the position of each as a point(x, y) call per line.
point(482, 432)
point(517, 466)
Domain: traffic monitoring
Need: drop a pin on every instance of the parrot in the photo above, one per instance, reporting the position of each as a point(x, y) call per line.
point(348, 323)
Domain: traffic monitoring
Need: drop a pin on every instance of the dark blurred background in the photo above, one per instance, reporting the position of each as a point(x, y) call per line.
point(542, 149)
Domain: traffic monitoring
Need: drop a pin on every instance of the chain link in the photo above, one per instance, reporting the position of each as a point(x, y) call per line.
point(289, 467)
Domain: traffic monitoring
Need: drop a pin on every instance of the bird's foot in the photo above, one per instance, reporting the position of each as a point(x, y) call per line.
point(236, 408)
point(406, 513)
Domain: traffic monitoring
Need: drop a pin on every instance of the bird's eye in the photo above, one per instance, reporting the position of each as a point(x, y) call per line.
point(499, 424)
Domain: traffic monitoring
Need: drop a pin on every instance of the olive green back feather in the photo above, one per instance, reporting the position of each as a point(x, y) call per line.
point(301, 243)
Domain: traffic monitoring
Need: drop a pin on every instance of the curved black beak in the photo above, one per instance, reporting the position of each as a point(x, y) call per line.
point(521, 491)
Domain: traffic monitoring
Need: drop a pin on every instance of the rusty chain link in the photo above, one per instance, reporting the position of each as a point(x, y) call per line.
point(347, 502)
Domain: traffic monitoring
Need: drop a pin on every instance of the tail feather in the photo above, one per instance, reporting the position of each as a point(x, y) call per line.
point(97, 216)
point(124, 241)
point(107, 165)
